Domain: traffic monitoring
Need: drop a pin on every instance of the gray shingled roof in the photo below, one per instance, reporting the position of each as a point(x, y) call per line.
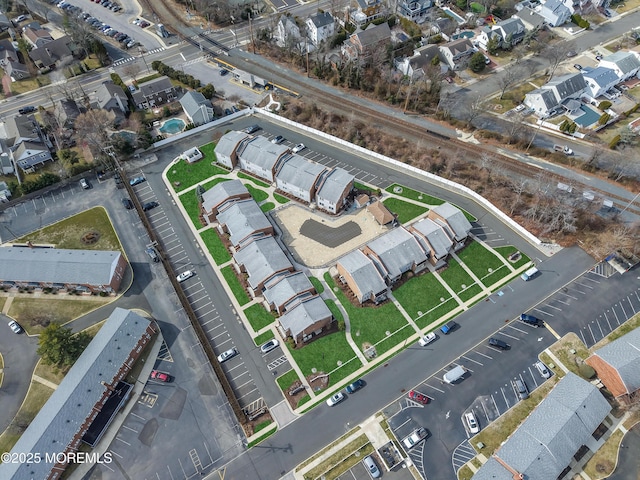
point(547, 97)
point(547, 440)
point(242, 219)
point(305, 314)
point(262, 153)
point(221, 192)
point(455, 219)
point(299, 172)
point(511, 26)
point(601, 76)
point(374, 34)
point(397, 249)
point(623, 354)
point(54, 265)
point(460, 46)
point(284, 287)
point(154, 86)
point(364, 273)
point(262, 258)
point(192, 101)
point(335, 182)
point(435, 236)
point(567, 85)
point(626, 61)
point(20, 126)
point(229, 142)
point(531, 17)
point(321, 19)
point(72, 402)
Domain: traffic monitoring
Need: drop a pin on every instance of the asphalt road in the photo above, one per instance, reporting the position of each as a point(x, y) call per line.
point(628, 458)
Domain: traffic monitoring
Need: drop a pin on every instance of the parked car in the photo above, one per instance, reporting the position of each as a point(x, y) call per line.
point(136, 181)
point(418, 397)
point(598, 57)
point(153, 255)
point(472, 423)
point(27, 109)
point(277, 139)
point(149, 206)
point(531, 320)
point(252, 129)
point(223, 72)
point(270, 345)
point(226, 355)
point(521, 389)
point(371, 466)
point(355, 386)
point(415, 438)
point(577, 66)
point(499, 344)
point(84, 184)
point(13, 325)
point(185, 275)
point(128, 204)
point(571, 53)
point(298, 148)
point(448, 327)
point(520, 107)
point(542, 369)
point(161, 376)
point(427, 339)
point(335, 399)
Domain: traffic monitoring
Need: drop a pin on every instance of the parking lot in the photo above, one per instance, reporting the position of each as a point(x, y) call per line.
point(200, 301)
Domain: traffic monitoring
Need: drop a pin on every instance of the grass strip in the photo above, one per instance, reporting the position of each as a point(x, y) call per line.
point(236, 287)
point(258, 317)
point(216, 248)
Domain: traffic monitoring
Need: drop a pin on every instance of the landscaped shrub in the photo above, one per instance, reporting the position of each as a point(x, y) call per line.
point(604, 118)
point(614, 142)
point(604, 105)
point(578, 20)
point(632, 110)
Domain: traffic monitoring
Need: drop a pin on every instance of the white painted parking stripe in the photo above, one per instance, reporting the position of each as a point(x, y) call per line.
point(592, 335)
point(505, 397)
point(542, 311)
point(512, 326)
point(404, 423)
point(560, 301)
point(614, 312)
point(551, 306)
point(207, 313)
point(608, 322)
point(584, 340)
point(585, 286)
point(435, 388)
point(600, 327)
point(250, 393)
point(579, 291)
point(510, 336)
point(592, 279)
point(129, 428)
point(133, 414)
point(567, 295)
point(222, 342)
point(200, 307)
point(631, 303)
point(471, 360)
point(487, 356)
point(116, 454)
point(120, 440)
point(238, 387)
point(626, 317)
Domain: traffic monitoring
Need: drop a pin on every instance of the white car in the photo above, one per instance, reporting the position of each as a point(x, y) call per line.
point(335, 399)
point(185, 275)
point(15, 327)
point(520, 107)
point(84, 184)
point(226, 355)
point(472, 423)
point(427, 339)
point(270, 345)
point(298, 148)
point(415, 438)
point(542, 369)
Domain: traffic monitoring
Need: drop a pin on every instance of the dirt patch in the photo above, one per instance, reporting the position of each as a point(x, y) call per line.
point(317, 381)
point(250, 427)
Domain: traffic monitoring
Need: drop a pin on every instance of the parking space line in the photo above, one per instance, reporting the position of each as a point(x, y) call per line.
point(205, 305)
point(560, 301)
point(116, 453)
point(120, 440)
point(505, 398)
point(240, 365)
point(591, 279)
point(551, 306)
point(600, 327)
point(626, 317)
point(487, 356)
point(533, 376)
point(583, 285)
point(542, 311)
point(222, 343)
point(435, 388)
point(206, 314)
point(507, 335)
point(471, 360)
point(584, 340)
point(614, 312)
point(567, 295)
point(511, 325)
point(133, 414)
point(592, 335)
point(129, 428)
point(608, 322)
point(631, 303)
point(579, 291)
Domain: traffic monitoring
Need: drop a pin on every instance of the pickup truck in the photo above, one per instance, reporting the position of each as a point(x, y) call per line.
point(563, 149)
point(415, 438)
point(448, 327)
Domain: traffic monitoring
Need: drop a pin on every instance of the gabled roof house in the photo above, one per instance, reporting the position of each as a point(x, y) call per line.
point(624, 64)
point(155, 92)
point(308, 318)
point(364, 44)
point(109, 96)
point(414, 9)
point(453, 221)
point(530, 19)
point(197, 108)
point(226, 149)
point(260, 157)
point(285, 289)
point(455, 53)
point(297, 176)
point(508, 32)
point(320, 27)
point(433, 239)
point(243, 219)
point(333, 188)
point(363, 278)
point(555, 12)
point(36, 37)
point(262, 259)
point(31, 155)
point(559, 90)
point(394, 253)
point(218, 197)
point(417, 65)
point(53, 52)
point(599, 80)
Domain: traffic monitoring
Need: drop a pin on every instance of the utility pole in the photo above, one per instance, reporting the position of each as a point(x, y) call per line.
point(406, 103)
point(253, 45)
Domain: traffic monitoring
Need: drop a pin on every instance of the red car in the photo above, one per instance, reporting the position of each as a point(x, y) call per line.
point(161, 376)
point(418, 397)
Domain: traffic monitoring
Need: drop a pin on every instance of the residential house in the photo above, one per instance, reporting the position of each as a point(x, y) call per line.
point(555, 12)
point(197, 108)
point(261, 259)
point(31, 155)
point(5, 193)
point(261, 158)
point(283, 291)
point(320, 27)
point(220, 196)
point(52, 53)
point(394, 253)
point(226, 149)
point(297, 176)
point(333, 188)
point(543, 101)
point(5, 23)
point(455, 53)
point(381, 213)
point(17, 70)
point(625, 64)
point(362, 277)
point(367, 11)
point(84, 270)
point(599, 80)
point(288, 33)
point(508, 33)
point(531, 19)
point(243, 219)
point(433, 240)
point(368, 45)
point(545, 443)
point(618, 366)
point(66, 111)
point(87, 399)
point(308, 318)
point(8, 53)
point(417, 65)
point(6, 159)
point(454, 222)
point(155, 93)
point(111, 97)
point(36, 37)
point(18, 129)
point(414, 10)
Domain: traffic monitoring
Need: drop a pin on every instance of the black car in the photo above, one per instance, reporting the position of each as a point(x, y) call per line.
point(150, 205)
point(25, 110)
point(531, 320)
point(128, 204)
point(499, 344)
point(223, 72)
point(252, 129)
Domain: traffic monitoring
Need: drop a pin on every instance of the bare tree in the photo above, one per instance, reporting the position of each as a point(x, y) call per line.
point(556, 53)
point(131, 69)
point(518, 187)
point(514, 127)
point(509, 77)
point(473, 109)
point(91, 128)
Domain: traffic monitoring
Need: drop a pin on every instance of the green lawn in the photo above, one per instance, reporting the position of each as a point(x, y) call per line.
point(258, 317)
point(420, 294)
point(254, 180)
point(280, 198)
point(482, 262)
point(267, 206)
point(508, 250)
point(189, 174)
point(317, 284)
point(258, 194)
point(189, 201)
point(436, 313)
point(337, 314)
point(415, 195)
point(260, 339)
point(496, 276)
point(236, 287)
point(457, 277)
point(324, 354)
point(363, 187)
point(369, 325)
point(406, 211)
point(286, 380)
point(215, 246)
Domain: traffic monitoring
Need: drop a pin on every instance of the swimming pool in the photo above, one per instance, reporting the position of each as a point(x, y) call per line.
point(465, 34)
point(454, 15)
point(175, 125)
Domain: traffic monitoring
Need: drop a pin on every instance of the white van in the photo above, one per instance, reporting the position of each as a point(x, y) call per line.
point(454, 374)
point(529, 274)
